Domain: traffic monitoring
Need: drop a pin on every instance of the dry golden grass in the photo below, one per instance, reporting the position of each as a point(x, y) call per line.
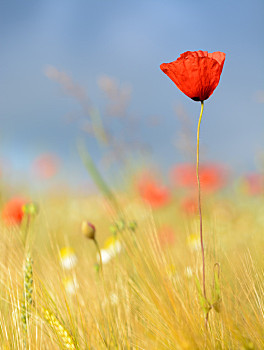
point(146, 297)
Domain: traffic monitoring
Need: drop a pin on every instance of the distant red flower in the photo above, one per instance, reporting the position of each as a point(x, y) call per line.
point(153, 192)
point(196, 73)
point(12, 213)
point(212, 176)
point(184, 175)
point(254, 184)
point(46, 166)
point(166, 236)
point(189, 205)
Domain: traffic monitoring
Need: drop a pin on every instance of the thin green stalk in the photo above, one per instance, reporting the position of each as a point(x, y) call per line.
point(100, 256)
point(199, 196)
point(96, 176)
point(26, 230)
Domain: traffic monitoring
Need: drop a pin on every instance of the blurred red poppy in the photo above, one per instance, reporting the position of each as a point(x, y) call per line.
point(12, 213)
point(152, 191)
point(254, 184)
point(166, 236)
point(212, 176)
point(46, 166)
point(196, 73)
point(189, 205)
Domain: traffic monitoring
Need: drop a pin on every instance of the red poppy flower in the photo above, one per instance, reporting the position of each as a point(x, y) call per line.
point(46, 166)
point(153, 192)
point(196, 73)
point(212, 176)
point(189, 205)
point(12, 213)
point(254, 184)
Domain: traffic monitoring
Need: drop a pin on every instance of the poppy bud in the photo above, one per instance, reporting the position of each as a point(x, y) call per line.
point(88, 230)
point(30, 208)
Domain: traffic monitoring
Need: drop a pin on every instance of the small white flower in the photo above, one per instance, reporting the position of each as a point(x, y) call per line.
point(112, 247)
point(194, 242)
point(68, 258)
point(115, 248)
point(106, 256)
point(70, 285)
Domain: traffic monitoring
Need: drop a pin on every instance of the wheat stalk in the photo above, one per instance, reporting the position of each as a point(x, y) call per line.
point(59, 329)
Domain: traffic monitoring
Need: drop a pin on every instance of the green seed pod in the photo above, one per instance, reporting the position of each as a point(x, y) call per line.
point(132, 225)
point(31, 208)
point(113, 229)
point(120, 224)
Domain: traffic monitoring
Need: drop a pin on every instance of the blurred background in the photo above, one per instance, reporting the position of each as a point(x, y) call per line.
point(88, 70)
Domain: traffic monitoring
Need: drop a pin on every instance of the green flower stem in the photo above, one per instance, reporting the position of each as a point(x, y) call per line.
point(199, 196)
point(100, 256)
point(96, 176)
point(26, 230)
point(97, 126)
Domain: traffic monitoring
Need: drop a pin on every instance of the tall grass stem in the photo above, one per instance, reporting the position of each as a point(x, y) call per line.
point(96, 176)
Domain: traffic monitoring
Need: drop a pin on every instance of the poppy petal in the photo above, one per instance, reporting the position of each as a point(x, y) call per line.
point(196, 73)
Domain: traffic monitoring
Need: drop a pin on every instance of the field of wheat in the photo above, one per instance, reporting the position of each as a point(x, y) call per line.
point(145, 293)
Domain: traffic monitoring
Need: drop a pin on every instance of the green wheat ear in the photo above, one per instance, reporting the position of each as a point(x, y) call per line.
point(27, 296)
point(63, 335)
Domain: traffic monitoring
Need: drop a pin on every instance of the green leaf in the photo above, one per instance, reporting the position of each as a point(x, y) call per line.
point(216, 293)
point(204, 303)
point(216, 285)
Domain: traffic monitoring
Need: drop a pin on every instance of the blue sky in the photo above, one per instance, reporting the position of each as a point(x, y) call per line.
point(128, 40)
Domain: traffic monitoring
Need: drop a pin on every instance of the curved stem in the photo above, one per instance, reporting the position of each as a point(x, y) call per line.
point(199, 195)
point(100, 256)
point(96, 176)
